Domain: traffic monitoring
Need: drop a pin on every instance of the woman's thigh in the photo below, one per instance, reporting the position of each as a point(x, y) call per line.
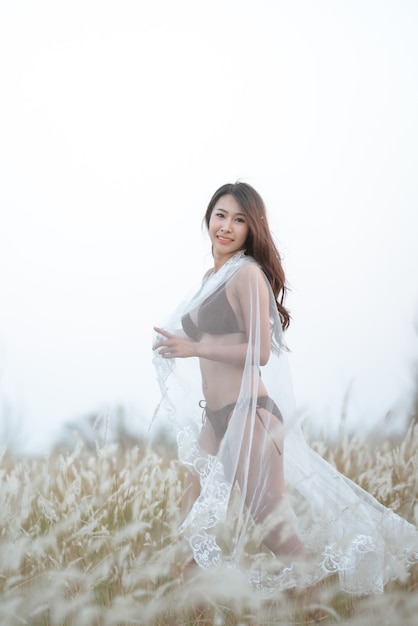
point(260, 469)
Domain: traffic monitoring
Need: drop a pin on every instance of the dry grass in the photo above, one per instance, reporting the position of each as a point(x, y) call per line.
point(89, 538)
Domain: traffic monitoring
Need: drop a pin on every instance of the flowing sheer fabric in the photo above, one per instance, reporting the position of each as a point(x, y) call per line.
point(257, 485)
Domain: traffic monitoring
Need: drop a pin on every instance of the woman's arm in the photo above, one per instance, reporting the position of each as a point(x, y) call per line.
point(175, 347)
point(251, 293)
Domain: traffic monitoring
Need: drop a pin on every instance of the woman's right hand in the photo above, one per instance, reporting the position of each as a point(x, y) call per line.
point(173, 346)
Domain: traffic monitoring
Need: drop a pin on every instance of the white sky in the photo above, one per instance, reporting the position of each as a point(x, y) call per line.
point(118, 120)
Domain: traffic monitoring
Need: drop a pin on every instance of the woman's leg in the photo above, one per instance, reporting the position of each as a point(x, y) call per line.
point(209, 443)
point(261, 478)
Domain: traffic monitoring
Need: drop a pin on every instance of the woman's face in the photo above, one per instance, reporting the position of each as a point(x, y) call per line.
point(228, 227)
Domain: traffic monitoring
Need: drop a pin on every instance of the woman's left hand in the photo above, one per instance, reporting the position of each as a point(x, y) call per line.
point(173, 347)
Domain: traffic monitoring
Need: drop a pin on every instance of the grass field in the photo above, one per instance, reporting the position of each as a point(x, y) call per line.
point(89, 538)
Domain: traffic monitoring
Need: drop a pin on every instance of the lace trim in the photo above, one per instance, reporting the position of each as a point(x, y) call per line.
point(206, 551)
point(211, 506)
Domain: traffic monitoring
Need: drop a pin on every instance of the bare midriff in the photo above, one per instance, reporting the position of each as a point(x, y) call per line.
point(221, 382)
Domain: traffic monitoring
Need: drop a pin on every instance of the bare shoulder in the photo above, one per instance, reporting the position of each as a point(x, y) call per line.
point(250, 270)
point(249, 273)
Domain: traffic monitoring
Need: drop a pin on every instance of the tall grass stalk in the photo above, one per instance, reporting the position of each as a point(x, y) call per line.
point(89, 538)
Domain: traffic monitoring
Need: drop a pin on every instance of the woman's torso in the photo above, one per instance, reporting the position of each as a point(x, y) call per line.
point(219, 320)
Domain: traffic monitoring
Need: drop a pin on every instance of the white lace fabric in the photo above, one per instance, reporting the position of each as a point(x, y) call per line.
point(345, 531)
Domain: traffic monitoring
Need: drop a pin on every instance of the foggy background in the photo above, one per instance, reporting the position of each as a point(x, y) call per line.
point(118, 120)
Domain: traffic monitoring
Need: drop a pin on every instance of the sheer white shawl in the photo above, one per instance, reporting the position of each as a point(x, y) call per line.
point(241, 500)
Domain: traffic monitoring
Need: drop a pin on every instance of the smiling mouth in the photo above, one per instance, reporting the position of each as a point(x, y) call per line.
point(224, 239)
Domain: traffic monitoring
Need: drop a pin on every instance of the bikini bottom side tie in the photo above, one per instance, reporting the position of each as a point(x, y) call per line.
point(220, 418)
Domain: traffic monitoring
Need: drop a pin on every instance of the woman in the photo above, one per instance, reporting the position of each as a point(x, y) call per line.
point(246, 491)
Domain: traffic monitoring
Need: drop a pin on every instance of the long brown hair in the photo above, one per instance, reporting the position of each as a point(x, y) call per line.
point(259, 244)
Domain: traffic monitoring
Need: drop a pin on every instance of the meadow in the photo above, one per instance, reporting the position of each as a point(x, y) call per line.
point(89, 538)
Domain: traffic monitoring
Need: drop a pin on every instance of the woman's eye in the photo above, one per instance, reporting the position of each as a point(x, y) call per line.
point(239, 219)
point(219, 214)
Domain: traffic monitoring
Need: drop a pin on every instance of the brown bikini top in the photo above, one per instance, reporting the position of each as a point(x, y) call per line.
point(214, 316)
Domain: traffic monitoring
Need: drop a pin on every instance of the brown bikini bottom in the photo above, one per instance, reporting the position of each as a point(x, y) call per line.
point(220, 418)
